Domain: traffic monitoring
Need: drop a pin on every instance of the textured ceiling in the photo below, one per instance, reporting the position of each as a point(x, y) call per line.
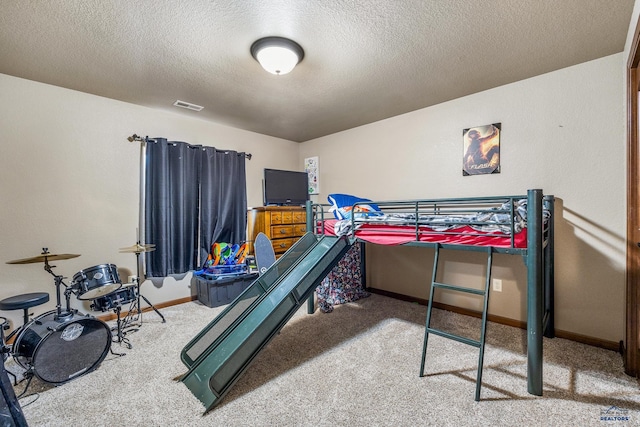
point(364, 60)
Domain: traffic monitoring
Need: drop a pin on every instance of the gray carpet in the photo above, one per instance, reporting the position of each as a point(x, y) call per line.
point(357, 366)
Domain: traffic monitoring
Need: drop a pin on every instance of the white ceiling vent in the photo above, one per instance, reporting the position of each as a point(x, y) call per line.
point(187, 105)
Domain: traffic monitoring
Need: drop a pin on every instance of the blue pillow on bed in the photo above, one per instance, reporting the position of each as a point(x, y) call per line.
point(341, 205)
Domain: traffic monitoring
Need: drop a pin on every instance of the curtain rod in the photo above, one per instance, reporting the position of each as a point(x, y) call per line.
point(135, 137)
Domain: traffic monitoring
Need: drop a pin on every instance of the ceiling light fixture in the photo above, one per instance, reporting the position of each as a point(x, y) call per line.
point(277, 55)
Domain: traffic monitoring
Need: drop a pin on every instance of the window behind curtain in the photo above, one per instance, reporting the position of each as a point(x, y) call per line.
point(194, 196)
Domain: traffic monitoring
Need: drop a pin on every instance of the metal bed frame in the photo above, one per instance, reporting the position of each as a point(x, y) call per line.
point(538, 256)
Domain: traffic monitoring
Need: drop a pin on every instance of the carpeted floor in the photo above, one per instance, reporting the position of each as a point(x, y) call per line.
point(357, 366)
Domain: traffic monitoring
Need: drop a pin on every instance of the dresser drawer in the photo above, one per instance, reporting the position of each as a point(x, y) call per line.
point(280, 246)
point(278, 231)
point(299, 229)
point(276, 217)
point(287, 217)
point(299, 217)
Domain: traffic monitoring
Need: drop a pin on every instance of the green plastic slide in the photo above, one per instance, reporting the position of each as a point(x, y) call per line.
point(223, 350)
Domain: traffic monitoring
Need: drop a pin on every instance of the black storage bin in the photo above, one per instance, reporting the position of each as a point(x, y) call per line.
point(222, 290)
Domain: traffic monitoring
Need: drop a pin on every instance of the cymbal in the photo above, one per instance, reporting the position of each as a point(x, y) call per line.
point(138, 248)
point(44, 257)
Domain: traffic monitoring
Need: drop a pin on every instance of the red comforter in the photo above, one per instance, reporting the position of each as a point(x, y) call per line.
point(383, 234)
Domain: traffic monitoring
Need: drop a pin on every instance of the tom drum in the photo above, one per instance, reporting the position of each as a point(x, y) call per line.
point(125, 295)
point(97, 281)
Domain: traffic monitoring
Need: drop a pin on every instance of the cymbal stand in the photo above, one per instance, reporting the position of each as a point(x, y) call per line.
point(67, 293)
point(137, 306)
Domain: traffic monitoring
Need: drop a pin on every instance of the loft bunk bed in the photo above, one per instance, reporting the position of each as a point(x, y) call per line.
point(515, 225)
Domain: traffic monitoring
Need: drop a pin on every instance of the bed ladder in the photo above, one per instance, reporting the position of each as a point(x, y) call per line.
point(478, 344)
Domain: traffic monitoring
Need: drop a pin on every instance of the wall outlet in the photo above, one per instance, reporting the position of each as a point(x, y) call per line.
point(497, 285)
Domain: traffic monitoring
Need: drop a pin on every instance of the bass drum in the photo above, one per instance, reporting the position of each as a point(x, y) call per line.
point(60, 350)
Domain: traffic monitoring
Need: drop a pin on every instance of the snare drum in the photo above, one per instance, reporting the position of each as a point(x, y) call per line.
point(122, 296)
point(61, 349)
point(96, 282)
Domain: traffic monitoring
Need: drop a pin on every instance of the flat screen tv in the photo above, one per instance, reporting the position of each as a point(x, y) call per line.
point(285, 187)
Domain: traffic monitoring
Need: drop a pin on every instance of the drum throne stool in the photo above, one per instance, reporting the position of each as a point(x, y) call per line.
point(24, 302)
point(19, 302)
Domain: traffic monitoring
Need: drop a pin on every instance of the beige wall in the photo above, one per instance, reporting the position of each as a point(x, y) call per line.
point(562, 132)
point(70, 181)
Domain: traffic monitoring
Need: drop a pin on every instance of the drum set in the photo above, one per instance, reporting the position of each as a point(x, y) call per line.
point(63, 344)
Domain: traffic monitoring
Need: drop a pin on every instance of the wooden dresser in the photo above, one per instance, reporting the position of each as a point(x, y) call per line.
point(282, 224)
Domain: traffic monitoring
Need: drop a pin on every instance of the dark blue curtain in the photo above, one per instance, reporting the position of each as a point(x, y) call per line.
point(223, 197)
point(193, 194)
